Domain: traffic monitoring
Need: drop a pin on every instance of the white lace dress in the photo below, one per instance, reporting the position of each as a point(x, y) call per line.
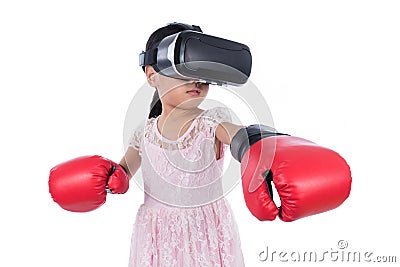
point(184, 221)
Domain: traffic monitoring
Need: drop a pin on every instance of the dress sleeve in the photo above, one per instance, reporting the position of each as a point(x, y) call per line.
point(216, 116)
point(137, 138)
point(219, 115)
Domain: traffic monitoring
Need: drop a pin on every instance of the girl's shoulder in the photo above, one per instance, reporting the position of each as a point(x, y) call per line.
point(211, 118)
point(216, 115)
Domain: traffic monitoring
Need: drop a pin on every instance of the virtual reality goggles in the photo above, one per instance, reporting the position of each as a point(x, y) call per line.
point(192, 55)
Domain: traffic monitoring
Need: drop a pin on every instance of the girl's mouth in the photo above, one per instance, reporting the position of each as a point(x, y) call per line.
point(194, 92)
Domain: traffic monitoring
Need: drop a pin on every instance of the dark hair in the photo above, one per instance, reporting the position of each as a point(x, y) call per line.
point(153, 41)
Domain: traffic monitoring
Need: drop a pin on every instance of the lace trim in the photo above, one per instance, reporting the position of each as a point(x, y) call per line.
point(203, 125)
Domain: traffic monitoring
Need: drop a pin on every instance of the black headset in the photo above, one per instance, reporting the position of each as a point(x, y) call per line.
point(186, 26)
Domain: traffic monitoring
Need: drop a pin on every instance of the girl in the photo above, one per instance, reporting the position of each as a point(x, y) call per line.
point(184, 220)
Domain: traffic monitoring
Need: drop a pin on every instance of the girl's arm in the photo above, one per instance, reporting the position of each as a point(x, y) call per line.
point(226, 131)
point(131, 161)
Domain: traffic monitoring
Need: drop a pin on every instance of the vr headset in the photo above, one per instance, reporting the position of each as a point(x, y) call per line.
point(192, 55)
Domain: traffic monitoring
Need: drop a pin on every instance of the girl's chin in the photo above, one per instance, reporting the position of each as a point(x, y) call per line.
point(191, 104)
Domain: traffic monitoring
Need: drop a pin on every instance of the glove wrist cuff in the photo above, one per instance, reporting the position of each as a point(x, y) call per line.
point(246, 137)
point(125, 170)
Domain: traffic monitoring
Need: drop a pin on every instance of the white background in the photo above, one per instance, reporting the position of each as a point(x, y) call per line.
point(329, 71)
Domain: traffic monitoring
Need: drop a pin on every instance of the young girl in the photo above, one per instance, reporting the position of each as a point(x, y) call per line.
point(185, 220)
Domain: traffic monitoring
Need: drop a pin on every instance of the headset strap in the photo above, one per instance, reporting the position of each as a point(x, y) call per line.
point(148, 58)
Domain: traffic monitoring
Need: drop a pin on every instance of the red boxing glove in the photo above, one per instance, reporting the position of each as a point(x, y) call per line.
point(309, 179)
point(118, 181)
point(81, 184)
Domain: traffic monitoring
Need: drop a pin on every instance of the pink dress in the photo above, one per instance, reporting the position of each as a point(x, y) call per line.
point(185, 220)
